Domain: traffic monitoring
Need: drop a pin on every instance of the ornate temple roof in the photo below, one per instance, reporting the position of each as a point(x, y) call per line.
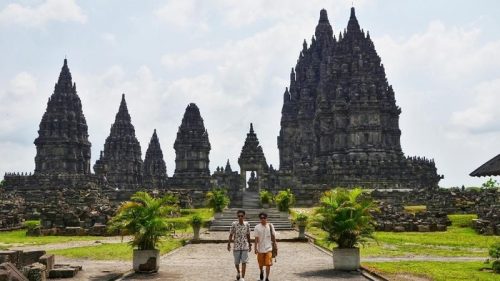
point(490, 168)
point(252, 152)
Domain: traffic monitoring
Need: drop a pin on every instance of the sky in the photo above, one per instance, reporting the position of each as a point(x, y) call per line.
point(233, 59)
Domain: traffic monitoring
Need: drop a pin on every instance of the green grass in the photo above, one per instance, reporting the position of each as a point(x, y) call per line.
point(182, 222)
point(19, 237)
point(457, 241)
point(113, 251)
point(415, 209)
point(437, 271)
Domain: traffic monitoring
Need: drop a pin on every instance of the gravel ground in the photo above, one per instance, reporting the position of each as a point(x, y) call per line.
point(296, 262)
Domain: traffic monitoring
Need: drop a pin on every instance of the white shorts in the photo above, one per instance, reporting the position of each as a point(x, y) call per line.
point(240, 256)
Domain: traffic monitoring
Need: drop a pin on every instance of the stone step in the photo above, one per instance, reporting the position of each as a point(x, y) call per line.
point(222, 221)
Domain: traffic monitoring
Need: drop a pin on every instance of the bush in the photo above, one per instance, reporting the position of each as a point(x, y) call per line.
point(266, 197)
point(196, 220)
point(301, 219)
point(495, 254)
point(490, 183)
point(462, 220)
point(31, 225)
point(217, 199)
point(345, 216)
point(285, 200)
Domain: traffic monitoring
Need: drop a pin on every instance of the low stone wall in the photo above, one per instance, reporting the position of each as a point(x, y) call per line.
point(11, 211)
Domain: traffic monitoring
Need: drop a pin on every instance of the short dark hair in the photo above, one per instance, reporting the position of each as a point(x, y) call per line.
point(262, 215)
point(240, 212)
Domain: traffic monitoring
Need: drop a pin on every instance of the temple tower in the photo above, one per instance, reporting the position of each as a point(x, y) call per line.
point(62, 145)
point(252, 159)
point(340, 121)
point(120, 163)
point(192, 149)
point(155, 169)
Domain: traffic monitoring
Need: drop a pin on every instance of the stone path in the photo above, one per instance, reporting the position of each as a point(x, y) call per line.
point(296, 262)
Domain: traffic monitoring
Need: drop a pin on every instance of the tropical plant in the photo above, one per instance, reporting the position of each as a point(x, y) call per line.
point(301, 219)
point(345, 216)
point(144, 217)
point(495, 254)
point(285, 200)
point(266, 197)
point(196, 220)
point(217, 199)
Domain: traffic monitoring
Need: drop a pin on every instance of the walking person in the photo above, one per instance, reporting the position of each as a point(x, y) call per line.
point(240, 230)
point(265, 240)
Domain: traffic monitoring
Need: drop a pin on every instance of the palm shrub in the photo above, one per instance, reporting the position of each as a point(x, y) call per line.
point(285, 200)
point(265, 196)
point(301, 219)
point(144, 217)
point(345, 216)
point(217, 199)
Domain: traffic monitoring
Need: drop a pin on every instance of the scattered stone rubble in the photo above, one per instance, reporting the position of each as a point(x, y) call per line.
point(33, 266)
point(395, 218)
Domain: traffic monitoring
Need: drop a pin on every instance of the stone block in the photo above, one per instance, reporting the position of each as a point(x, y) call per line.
point(35, 272)
point(399, 228)
point(64, 271)
point(29, 257)
point(48, 260)
point(9, 272)
point(10, 256)
point(423, 228)
point(441, 227)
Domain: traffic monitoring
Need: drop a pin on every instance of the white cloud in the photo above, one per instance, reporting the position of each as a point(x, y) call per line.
point(37, 16)
point(183, 14)
point(109, 38)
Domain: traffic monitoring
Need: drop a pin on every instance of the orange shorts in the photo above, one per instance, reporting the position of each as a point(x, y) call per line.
point(265, 259)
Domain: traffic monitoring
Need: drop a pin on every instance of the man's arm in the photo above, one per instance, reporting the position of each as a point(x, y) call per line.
point(230, 239)
point(256, 244)
point(248, 239)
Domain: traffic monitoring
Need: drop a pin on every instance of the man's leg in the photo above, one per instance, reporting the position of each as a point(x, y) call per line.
point(237, 259)
point(268, 270)
point(243, 269)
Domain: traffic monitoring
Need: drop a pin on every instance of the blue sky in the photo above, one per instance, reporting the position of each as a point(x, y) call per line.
point(233, 59)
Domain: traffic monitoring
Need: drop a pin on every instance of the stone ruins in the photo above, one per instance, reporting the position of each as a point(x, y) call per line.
point(339, 127)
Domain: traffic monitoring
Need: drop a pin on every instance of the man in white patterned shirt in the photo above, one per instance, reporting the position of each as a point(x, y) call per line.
point(240, 230)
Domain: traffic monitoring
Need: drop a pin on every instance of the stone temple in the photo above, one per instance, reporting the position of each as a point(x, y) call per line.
point(340, 121)
point(339, 127)
point(62, 145)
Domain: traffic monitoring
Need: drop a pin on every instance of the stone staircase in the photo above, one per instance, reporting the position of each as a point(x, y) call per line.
point(222, 221)
point(251, 200)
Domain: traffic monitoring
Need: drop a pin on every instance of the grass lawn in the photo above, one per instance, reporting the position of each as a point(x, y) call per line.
point(19, 237)
point(457, 241)
point(123, 251)
point(437, 271)
point(113, 251)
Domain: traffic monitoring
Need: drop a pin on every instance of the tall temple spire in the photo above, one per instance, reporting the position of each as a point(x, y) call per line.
point(121, 160)
point(192, 149)
point(62, 142)
point(324, 30)
point(155, 169)
point(353, 25)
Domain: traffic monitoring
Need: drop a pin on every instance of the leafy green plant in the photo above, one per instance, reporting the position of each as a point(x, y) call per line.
point(32, 224)
point(266, 197)
point(217, 199)
point(301, 219)
point(144, 217)
point(196, 220)
point(495, 255)
point(345, 217)
point(285, 200)
point(490, 183)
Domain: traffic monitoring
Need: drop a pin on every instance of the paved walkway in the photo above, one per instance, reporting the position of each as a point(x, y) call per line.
point(296, 262)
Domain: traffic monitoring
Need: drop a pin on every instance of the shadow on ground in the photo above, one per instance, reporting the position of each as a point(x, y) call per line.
point(328, 274)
